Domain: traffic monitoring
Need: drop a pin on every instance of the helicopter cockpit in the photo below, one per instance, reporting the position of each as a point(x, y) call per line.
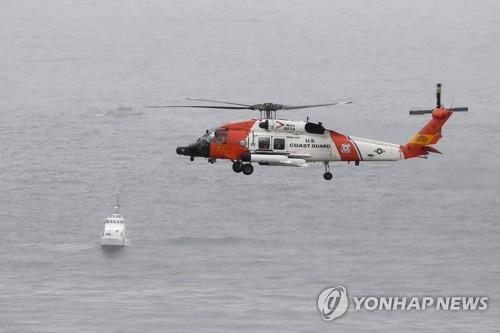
point(220, 136)
point(201, 147)
point(208, 136)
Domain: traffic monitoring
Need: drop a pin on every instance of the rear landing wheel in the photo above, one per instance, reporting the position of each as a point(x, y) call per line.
point(247, 169)
point(237, 166)
point(327, 175)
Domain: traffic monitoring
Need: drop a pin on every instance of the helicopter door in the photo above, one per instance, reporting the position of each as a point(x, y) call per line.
point(279, 144)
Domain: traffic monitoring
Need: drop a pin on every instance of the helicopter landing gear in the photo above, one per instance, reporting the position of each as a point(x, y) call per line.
point(237, 166)
point(247, 169)
point(327, 175)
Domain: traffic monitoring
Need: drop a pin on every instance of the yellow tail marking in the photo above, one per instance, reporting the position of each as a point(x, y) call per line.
point(422, 139)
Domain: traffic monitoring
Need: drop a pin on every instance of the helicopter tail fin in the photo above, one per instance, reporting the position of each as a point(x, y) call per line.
point(420, 144)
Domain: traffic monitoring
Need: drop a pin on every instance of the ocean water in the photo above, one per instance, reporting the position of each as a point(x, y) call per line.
point(216, 251)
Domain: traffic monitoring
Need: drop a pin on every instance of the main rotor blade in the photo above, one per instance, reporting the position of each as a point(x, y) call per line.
point(200, 107)
point(214, 101)
point(292, 107)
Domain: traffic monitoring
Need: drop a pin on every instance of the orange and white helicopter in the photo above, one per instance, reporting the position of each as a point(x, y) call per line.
point(272, 141)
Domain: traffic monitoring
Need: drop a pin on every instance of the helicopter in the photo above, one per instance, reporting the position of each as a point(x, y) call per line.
point(281, 142)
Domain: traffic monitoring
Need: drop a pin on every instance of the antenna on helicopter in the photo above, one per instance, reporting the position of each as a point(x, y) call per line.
point(267, 110)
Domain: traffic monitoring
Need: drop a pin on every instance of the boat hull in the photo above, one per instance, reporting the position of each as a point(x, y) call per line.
point(108, 242)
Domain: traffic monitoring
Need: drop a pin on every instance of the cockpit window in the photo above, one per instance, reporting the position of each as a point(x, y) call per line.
point(208, 136)
point(221, 136)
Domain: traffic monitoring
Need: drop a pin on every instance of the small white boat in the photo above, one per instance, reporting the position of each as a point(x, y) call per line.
point(115, 234)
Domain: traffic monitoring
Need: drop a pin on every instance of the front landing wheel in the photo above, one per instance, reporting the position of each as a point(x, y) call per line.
point(247, 169)
point(237, 166)
point(328, 175)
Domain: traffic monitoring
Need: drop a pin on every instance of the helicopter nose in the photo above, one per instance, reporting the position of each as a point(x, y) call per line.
point(183, 151)
point(197, 149)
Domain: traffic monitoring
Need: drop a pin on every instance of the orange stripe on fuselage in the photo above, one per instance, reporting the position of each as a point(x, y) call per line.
point(346, 148)
point(236, 134)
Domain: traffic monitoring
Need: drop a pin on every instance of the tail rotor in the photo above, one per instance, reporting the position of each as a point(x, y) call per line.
point(439, 105)
point(420, 143)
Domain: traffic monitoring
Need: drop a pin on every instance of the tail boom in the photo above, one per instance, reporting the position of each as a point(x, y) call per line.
point(419, 144)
